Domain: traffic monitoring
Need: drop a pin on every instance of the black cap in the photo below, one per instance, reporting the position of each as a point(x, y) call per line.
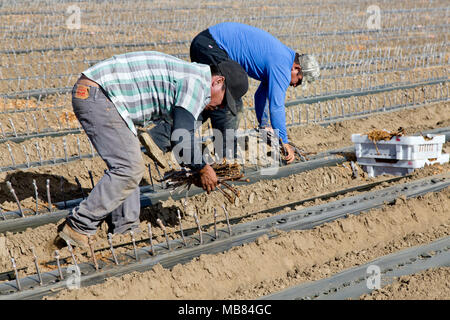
point(236, 82)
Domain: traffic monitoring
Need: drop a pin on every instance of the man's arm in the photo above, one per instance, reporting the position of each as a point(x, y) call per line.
point(276, 94)
point(260, 103)
point(187, 150)
point(278, 118)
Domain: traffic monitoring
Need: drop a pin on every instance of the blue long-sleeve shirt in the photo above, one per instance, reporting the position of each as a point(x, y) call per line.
point(264, 58)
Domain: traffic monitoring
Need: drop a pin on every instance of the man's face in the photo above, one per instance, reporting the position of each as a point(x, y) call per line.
point(296, 75)
point(217, 93)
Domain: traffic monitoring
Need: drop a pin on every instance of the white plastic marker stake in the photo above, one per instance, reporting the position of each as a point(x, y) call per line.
point(16, 273)
point(91, 248)
point(36, 264)
point(11, 155)
point(199, 227)
point(152, 251)
point(27, 157)
point(36, 195)
point(228, 221)
point(11, 189)
point(112, 248)
point(49, 199)
point(134, 245)
point(57, 256)
point(160, 224)
point(181, 227)
point(69, 247)
point(216, 234)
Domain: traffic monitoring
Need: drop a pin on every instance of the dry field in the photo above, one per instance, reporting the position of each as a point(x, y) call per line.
point(371, 78)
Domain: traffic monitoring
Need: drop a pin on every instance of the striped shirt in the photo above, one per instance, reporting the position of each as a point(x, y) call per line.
point(145, 86)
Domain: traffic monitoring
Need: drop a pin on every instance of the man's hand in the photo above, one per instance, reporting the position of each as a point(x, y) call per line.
point(290, 153)
point(267, 128)
point(208, 178)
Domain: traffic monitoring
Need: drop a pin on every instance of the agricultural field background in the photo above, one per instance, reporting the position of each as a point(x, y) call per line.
point(384, 65)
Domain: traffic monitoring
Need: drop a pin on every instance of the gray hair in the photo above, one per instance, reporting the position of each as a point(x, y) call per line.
point(310, 67)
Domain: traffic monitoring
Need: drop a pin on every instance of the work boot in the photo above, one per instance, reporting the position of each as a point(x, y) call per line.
point(73, 237)
point(153, 151)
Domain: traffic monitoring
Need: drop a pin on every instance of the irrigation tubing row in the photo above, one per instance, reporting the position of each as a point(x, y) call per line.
point(175, 252)
point(20, 137)
point(186, 42)
point(345, 93)
point(354, 282)
point(150, 195)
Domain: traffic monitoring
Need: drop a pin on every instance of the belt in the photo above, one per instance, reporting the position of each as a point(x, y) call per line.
point(83, 94)
point(87, 82)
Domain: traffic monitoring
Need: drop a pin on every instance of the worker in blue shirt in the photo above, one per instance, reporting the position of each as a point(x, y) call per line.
point(264, 58)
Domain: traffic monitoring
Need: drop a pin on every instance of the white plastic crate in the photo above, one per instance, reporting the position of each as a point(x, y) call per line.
point(399, 148)
point(375, 167)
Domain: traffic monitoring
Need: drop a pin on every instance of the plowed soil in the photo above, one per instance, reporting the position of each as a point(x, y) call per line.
point(432, 284)
point(267, 266)
point(259, 268)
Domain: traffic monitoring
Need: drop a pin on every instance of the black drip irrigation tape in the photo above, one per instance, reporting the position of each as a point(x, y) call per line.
point(325, 122)
point(46, 162)
point(14, 222)
point(23, 137)
point(102, 46)
point(241, 234)
point(308, 100)
point(366, 114)
point(221, 6)
point(375, 90)
point(376, 60)
point(177, 8)
point(38, 93)
point(153, 23)
point(445, 131)
point(32, 109)
point(354, 282)
point(365, 187)
point(146, 44)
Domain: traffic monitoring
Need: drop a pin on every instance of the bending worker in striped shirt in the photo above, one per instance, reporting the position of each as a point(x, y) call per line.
point(111, 98)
